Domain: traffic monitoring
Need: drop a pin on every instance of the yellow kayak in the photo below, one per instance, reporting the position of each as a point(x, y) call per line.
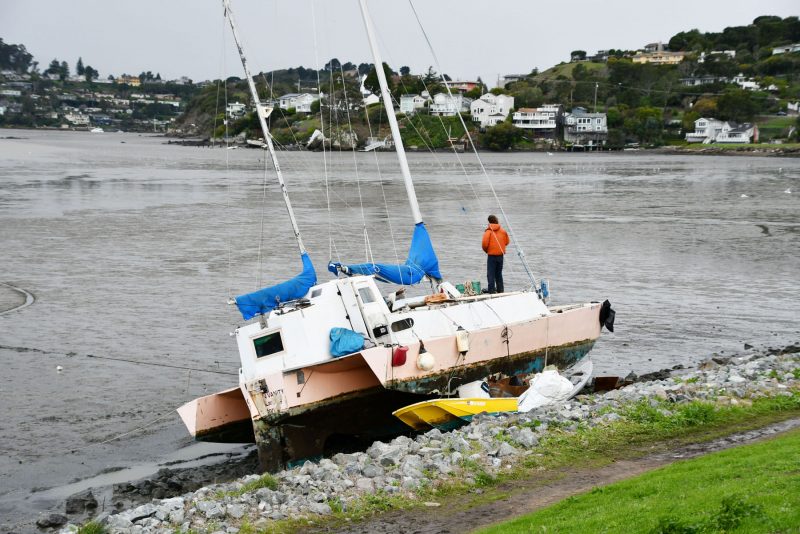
point(447, 414)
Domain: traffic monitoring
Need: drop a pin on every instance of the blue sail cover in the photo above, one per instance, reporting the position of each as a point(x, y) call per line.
point(421, 261)
point(264, 300)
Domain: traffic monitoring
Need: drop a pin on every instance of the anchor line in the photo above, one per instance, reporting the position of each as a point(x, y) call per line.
point(126, 360)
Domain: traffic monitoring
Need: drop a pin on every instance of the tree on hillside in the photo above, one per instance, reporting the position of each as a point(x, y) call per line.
point(364, 68)
point(79, 69)
point(64, 70)
point(405, 71)
point(54, 67)
point(333, 65)
point(738, 105)
point(14, 57)
point(577, 55)
point(371, 82)
point(90, 74)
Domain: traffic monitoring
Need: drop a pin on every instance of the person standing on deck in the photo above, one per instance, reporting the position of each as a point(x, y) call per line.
point(495, 241)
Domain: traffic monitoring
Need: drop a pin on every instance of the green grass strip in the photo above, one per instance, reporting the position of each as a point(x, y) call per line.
point(753, 488)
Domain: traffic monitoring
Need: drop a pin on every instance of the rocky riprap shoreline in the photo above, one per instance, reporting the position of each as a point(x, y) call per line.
point(487, 446)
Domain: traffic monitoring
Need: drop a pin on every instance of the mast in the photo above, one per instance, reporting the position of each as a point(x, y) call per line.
point(387, 102)
point(263, 113)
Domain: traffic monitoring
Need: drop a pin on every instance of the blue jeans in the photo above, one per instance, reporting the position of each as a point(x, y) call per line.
point(494, 272)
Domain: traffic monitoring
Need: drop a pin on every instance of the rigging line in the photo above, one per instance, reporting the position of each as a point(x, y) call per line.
point(322, 128)
point(222, 79)
point(183, 367)
point(355, 164)
point(460, 162)
point(520, 252)
point(383, 194)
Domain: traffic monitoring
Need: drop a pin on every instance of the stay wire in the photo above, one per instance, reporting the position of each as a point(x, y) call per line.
point(520, 252)
point(322, 130)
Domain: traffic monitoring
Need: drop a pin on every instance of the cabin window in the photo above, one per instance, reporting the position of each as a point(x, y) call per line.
point(317, 292)
point(268, 344)
point(366, 295)
point(405, 324)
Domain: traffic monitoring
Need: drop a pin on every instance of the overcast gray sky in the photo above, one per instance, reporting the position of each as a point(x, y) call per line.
point(472, 38)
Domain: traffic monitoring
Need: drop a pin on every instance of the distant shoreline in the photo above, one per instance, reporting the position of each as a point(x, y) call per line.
point(790, 150)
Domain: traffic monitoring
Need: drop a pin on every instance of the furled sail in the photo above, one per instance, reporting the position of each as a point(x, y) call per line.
point(264, 300)
point(421, 261)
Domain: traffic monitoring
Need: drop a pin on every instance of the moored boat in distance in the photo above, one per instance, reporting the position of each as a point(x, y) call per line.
point(327, 363)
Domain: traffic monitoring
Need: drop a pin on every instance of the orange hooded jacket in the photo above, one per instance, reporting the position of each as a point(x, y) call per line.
point(495, 240)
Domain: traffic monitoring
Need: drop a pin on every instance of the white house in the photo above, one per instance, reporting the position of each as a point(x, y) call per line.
point(541, 121)
point(582, 127)
point(447, 105)
point(490, 109)
point(786, 49)
point(746, 83)
point(235, 110)
point(77, 118)
point(737, 133)
point(707, 130)
point(301, 102)
point(410, 104)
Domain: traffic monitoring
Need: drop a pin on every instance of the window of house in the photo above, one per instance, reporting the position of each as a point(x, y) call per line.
point(268, 344)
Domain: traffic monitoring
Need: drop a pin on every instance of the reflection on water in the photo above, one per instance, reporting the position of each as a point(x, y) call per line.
point(133, 248)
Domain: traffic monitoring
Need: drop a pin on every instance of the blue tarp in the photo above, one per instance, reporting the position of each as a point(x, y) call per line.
point(264, 300)
point(344, 341)
point(421, 261)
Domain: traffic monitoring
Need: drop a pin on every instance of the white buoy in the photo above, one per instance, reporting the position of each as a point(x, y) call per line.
point(425, 360)
point(59, 368)
point(743, 196)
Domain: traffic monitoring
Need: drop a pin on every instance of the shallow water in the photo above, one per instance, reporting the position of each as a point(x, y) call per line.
point(131, 248)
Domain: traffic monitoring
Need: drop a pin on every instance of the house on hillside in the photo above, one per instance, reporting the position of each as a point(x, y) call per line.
point(504, 80)
point(584, 128)
point(541, 122)
point(235, 110)
point(693, 81)
point(490, 109)
point(703, 56)
point(462, 85)
point(301, 102)
point(708, 130)
point(659, 58)
point(786, 49)
point(410, 104)
point(737, 133)
point(447, 105)
point(746, 83)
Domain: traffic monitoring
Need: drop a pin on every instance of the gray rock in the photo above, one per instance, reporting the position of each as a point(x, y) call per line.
point(80, 502)
point(51, 521)
point(321, 508)
point(117, 522)
point(210, 509)
point(527, 438)
point(177, 516)
point(142, 512)
point(506, 450)
point(236, 511)
point(372, 471)
point(365, 484)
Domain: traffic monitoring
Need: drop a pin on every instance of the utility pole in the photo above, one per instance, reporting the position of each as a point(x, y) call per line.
point(596, 85)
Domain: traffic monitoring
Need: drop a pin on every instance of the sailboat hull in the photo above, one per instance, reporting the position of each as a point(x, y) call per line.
point(357, 418)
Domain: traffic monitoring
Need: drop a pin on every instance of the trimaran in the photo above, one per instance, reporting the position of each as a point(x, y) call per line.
point(301, 399)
